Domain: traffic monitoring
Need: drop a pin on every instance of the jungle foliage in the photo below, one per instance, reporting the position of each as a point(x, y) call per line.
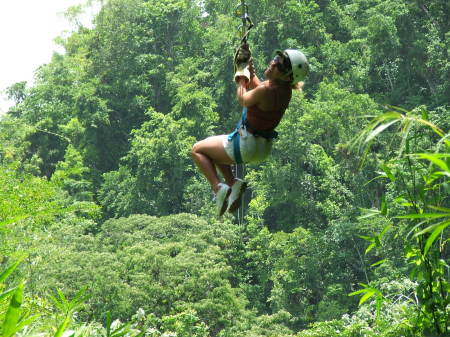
point(107, 228)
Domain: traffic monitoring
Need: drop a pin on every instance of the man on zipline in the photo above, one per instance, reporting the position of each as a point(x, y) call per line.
point(264, 105)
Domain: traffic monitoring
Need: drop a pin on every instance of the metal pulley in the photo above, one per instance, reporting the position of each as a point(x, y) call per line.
point(241, 11)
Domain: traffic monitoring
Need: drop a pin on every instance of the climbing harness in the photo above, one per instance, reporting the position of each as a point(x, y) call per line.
point(235, 137)
point(244, 125)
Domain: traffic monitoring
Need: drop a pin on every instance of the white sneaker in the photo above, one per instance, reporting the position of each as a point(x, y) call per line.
point(222, 198)
point(237, 190)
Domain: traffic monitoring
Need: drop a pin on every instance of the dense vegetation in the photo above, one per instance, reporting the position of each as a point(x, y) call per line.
point(107, 228)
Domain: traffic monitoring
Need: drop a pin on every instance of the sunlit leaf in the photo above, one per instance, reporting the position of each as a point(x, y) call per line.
point(387, 171)
point(23, 323)
point(360, 291)
point(4, 275)
point(378, 263)
point(13, 313)
point(7, 293)
point(434, 158)
point(434, 236)
point(431, 228)
point(108, 324)
point(384, 231)
point(381, 176)
point(369, 213)
point(415, 227)
point(424, 216)
point(371, 246)
point(369, 293)
point(63, 326)
point(378, 130)
point(439, 208)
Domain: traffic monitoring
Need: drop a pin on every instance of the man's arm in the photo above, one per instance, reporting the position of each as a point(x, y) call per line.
point(248, 97)
point(254, 80)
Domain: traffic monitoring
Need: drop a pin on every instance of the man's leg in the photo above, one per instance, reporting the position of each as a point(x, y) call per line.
point(227, 173)
point(207, 154)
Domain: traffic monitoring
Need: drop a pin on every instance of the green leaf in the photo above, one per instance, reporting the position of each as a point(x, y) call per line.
point(379, 129)
point(388, 172)
point(4, 275)
point(414, 228)
point(63, 299)
point(434, 158)
point(26, 322)
point(434, 236)
point(378, 263)
point(363, 290)
point(384, 231)
point(13, 313)
point(77, 300)
point(371, 246)
point(431, 178)
point(57, 304)
point(431, 228)
point(108, 324)
point(369, 213)
point(369, 293)
point(439, 208)
point(424, 216)
point(119, 332)
point(381, 176)
point(67, 306)
point(393, 107)
point(63, 326)
point(406, 128)
point(6, 293)
point(378, 302)
point(368, 238)
point(360, 291)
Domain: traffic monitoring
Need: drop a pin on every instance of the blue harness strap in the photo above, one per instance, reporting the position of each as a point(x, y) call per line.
point(235, 137)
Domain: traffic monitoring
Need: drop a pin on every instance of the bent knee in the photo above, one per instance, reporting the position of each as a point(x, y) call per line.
point(196, 148)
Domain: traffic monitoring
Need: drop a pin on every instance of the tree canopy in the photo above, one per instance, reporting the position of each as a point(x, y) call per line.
point(108, 229)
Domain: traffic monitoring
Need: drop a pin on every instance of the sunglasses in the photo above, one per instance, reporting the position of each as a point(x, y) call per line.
point(282, 64)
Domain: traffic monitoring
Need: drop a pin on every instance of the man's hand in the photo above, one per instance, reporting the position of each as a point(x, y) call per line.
point(243, 55)
point(242, 74)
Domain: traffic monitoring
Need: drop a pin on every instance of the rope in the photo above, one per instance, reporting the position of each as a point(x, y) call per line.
point(241, 11)
point(240, 212)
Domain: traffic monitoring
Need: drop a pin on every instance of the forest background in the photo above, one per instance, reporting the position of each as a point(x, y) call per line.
point(107, 228)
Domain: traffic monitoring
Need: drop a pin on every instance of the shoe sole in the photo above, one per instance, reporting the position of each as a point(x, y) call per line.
point(235, 205)
point(225, 203)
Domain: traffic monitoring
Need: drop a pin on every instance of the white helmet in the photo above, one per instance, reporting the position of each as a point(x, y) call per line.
point(299, 64)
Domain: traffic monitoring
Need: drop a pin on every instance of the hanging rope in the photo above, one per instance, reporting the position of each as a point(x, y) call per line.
point(244, 28)
point(247, 24)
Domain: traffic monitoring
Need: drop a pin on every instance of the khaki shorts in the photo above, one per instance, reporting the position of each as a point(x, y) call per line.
point(254, 149)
